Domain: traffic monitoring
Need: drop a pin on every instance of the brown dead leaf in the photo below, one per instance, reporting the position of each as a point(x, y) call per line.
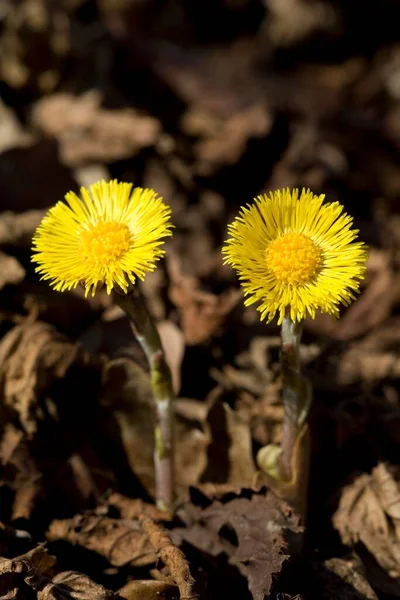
point(369, 512)
point(88, 133)
point(172, 557)
point(11, 271)
point(127, 389)
point(174, 347)
point(11, 131)
point(252, 529)
point(131, 508)
point(225, 140)
point(32, 356)
point(229, 454)
point(17, 229)
point(373, 306)
point(19, 466)
point(343, 578)
point(374, 357)
point(120, 541)
point(143, 589)
point(16, 574)
point(70, 585)
point(202, 313)
point(35, 42)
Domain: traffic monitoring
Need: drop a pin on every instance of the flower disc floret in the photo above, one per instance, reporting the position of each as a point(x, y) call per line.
point(110, 235)
point(293, 258)
point(295, 255)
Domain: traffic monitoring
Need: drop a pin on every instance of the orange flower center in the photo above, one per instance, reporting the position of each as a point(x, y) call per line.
point(293, 258)
point(104, 243)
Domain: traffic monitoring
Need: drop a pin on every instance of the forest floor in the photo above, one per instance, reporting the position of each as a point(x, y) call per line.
point(209, 103)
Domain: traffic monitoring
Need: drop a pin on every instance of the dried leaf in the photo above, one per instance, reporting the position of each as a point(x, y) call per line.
point(11, 132)
point(251, 529)
point(230, 455)
point(71, 585)
point(343, 578)
point(174, 347)
point(120, 541)
point(171, 556)
point(32, 356)
point(17, 229)
point(202, 313)
point(226, 139)
point(11, 271)
point(21, 570)
point(373, 358)
point(369, 512)
point(88, 133)
point(149, 590)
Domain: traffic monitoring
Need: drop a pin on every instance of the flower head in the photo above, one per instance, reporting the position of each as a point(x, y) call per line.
point(295, 255)
point(111, 235)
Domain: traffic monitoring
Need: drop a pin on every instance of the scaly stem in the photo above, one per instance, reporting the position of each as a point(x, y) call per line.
point(145, 331)
point(295, 400)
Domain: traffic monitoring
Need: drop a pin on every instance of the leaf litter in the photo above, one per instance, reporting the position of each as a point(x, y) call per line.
point(210, 107)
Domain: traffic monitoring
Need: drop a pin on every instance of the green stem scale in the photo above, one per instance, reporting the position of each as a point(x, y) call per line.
point(145, 331)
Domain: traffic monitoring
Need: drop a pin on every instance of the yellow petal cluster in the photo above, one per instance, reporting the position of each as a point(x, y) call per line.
point(295, 254)
point(110, 235)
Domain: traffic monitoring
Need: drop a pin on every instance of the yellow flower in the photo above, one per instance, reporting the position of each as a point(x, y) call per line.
point(111, 235)
point(295, 255)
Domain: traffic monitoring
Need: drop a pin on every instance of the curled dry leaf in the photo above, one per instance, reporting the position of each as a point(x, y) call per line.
point(373, 358)
point(11, 271)
point(369, 512)
point(23, 570)
point(131, 508)
point(144, 589)
point(120, 541)
point(32, 357)
point(17, 229)
point(373, 306)
point(88, 133)
point(257, 532)
point(127, 389)
point(11, 131)
point(174, 347)
point(225, 140)
point(202, 313)
point(70, 585)
point(342, 578)
point(171, 556)
point(33, 571)
point(229, 454)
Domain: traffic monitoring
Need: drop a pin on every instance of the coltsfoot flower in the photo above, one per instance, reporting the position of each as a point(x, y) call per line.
point(111, 235)
point(295, 255)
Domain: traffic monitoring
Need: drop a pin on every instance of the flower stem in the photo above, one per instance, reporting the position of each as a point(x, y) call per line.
point(295, 398)
point(145, 331)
